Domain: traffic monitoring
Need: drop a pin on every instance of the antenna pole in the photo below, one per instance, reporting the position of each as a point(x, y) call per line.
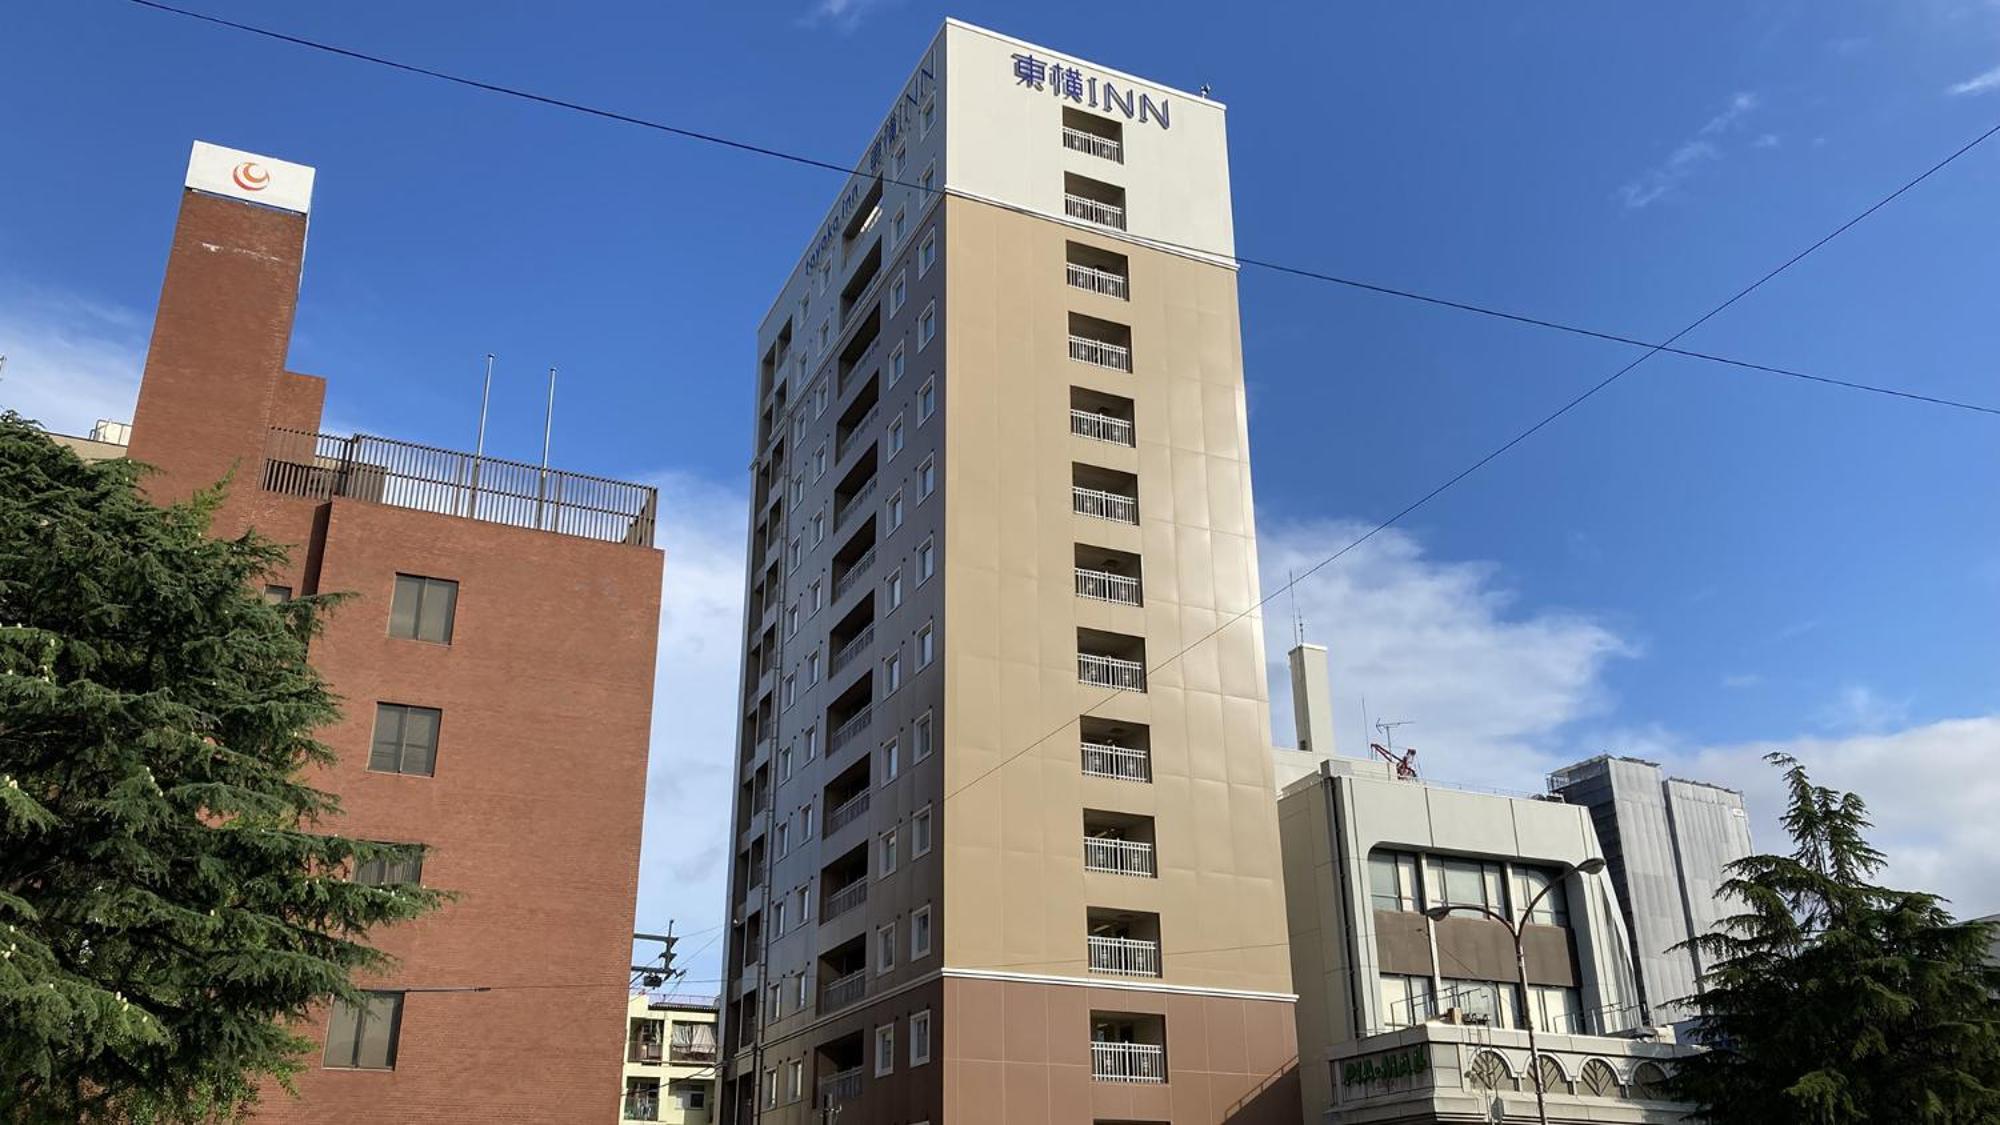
point(548, 427)
point(479, 448)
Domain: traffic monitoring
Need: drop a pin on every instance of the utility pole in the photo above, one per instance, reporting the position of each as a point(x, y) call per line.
point(660, 970)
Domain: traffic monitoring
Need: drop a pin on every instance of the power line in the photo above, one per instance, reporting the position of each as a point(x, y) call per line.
point(1275, 267)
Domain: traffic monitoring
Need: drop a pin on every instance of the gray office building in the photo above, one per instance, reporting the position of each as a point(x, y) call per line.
point(1666, 841)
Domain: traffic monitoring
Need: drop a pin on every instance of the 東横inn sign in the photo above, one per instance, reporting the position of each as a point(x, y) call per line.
point(1085, 89)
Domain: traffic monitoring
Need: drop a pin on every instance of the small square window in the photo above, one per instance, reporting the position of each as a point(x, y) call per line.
point(792, 621)
point(818, 528)
point(363, 1036)
point(885, 949)
point(926, 562)
point(806, 822)
point(897, 364)
point(406, 739)
point(927, 249)
point(920, 832)
point(885, 1050)
point(422, 608)
point(791, 688)
point(792, 556)
point(920, 1038)
point(920, 933)
point(778, 910)
point(892, 760)
point(895, 440)
point(899, 291)
point(819, 398)
point(896, 510)
point(898, 227)
point(785, 764)
point(384, 871)
point(894, 589)
point(812, 743)
point(929, 179)
point(888, 842)
point(926, 400)
point(816, 596)
point(819, 462)
point(812, 668)
point(277, 595)
point(927, 325)
point(926, 646)
point(927, 478)
point(921, 733)
point(892, 673)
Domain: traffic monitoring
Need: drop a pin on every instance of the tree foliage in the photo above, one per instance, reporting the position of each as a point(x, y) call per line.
point(169, 900)
point(1832, 1000)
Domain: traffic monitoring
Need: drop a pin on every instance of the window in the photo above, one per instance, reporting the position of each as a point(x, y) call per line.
point(1553, 909)
point(819, 399)
point(785, 764)
point(815, 596)
point(1406, 1001)
point(812, 668)
point(1497, 1002)
point(898, 363)
point(792, 556)
point(422, 608)
point(791, 688)
point(771, 1088)
point(920, 738)
point(926, 646)
point(277, 595)
point(926, 562)
point(929, 181)
point(926, 400)
point(898, 227)
point(805, 915)
point(799, 480)
point(806, 821)
point(892, 673)
point(885, 1049)
point(920, 832)
point(1558, 1011)
point(892, 762)
point(792, 621)
point(1449, 881)
point(386, 871)
point(885, 948)
point(920, 1038)
point(1392, 881)
point(927, 119)
point(896, 510)
point(927, 249)
point(819, 462)
point(927, 477)
point(799, 426)
point(920, 933)
point(406, 739)
point(896, 165)
point(812, 743)
point(820, 348)
point(887, 850)
point(363, 1036)
point(895, 588)
point(899, 291)
point(778, 909)
point(927, 325)
point(818, 528)
point(795, 1080)
point(773, 997)
point(896, 436)
point(799, 993)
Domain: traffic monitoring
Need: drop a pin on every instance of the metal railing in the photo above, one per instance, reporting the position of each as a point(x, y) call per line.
point(643, 1052)
point(842, 991)
point(1110, 671)
point(1120, 762)
point(862, 428)
point(1125, 957)
point(1104, 586)
point(691, 1055)
point(1096, 280)
point(642, 1107)
point(855, 646)
point(1091, 211)
point(846, 899)
point(1080, 141)
point(856, 503)
point(403, 475)
point(1119, 857)
point(856, 571)
point(842, 1087)
point(1128, 1062)
point(855, 726)
point(1100, 353)
point(1104, 505)
point(1101, 427)
point(849, 811)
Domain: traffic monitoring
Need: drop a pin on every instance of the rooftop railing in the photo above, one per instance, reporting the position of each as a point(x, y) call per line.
point(404, 475)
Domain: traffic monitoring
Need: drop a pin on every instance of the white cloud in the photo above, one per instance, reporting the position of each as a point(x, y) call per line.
point(845, 15)
point(1977, 84)
point(70, 361)
point(1859, 707)
point(1690, 156)
point(684, 860)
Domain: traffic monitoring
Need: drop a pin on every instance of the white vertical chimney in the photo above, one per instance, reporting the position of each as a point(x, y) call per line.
point(1312, 702)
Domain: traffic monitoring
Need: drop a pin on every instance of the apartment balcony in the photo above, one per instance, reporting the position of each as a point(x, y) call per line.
point(691, 1054)
point(1098, 503)
point(841, 991)
point(1110, 672)
point(849, 811)
point(1124, 957)
point(1101, 427)
point(857, 645)
point(844, 1086)
point(1092, 211)
point(644, 1052)
point(641, 1107)
point(1128, 1062)
point(1120, 763)
point(1076, 140)
point(855, 572)
point(863, 428)
point(1096, 280)
point(1103, 586)
point(1099, 353)
point(849, 730)
point(401, 474)
point(1116, 856)
point(845, 899)
point(856, 504)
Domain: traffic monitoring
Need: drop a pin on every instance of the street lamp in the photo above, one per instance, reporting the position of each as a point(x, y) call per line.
point(1590, 866)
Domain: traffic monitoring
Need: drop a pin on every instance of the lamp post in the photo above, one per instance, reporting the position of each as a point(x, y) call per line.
point(1590, 866)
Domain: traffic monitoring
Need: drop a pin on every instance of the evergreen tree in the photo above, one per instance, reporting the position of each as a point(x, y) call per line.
point(1832, 1000)
point(171, 896)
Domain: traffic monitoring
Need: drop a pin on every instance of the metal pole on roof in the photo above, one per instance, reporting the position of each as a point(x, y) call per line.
point(479, 448)
point(548, 426)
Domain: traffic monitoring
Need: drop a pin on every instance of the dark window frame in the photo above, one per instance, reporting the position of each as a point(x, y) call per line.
point(399, 744)
point(355, 1042)
point(426, 592)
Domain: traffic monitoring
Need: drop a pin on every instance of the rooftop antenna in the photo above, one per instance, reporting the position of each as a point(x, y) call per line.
point(1204, 91)
point(479, 447)
point(548, 426)
point(1298, 623)
point(1406, 762)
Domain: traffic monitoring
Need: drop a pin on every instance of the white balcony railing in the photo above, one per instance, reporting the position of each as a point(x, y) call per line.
point(1118, 857)
point(845, 1086)
point(1104, 505)
point(1124, 957)
point(847, 813)
point(1104, 586)
point(1100, 353)
point(1091, 211)
point(1122, 763)
point(1080, 141)
point(1128, 1062)
point(1096, 280)
point(842, 991)
point(1110, 671)
point(846, 898)
point(1101, 427)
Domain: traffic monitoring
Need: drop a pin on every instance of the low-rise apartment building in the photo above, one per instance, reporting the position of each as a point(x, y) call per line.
point(670, 1057)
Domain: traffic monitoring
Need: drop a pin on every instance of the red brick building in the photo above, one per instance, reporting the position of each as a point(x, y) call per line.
point(496, 668)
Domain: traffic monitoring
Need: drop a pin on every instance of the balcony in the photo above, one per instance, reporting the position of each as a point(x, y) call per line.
point(1101, 427)
point(863, 427)
point(1120, 763)
point(855, 572)
point(1094, 211)
point(851, 728)
point(848, 812)
point(1076, 140)
point(692, 1054)
point(1116, 856)
point(856, 504)
point(1103, 586)
point(843, 1086)
point(856, 645)
point(403, 475)
point(841, 991)
point(1128, 1062)
point(846, 899)
point(1110, 672)
point(1098, 353)
point(1098, 503)
point(1124, 957)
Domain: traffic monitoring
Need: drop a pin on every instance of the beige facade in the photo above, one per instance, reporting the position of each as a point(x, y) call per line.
point(670, 1061)
point(1006, 835)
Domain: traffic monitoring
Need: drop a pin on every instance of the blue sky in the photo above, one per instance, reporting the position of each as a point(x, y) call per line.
point(1697, 565)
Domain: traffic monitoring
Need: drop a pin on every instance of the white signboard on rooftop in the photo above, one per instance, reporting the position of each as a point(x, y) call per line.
point(250, 177)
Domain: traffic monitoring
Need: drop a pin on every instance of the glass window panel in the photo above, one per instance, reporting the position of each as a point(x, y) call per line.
point(342, 1029)
point(387, 752)
point(403, 607)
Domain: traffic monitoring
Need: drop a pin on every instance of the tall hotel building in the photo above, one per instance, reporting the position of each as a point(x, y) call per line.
point(494, 662)
point(1004, 851)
